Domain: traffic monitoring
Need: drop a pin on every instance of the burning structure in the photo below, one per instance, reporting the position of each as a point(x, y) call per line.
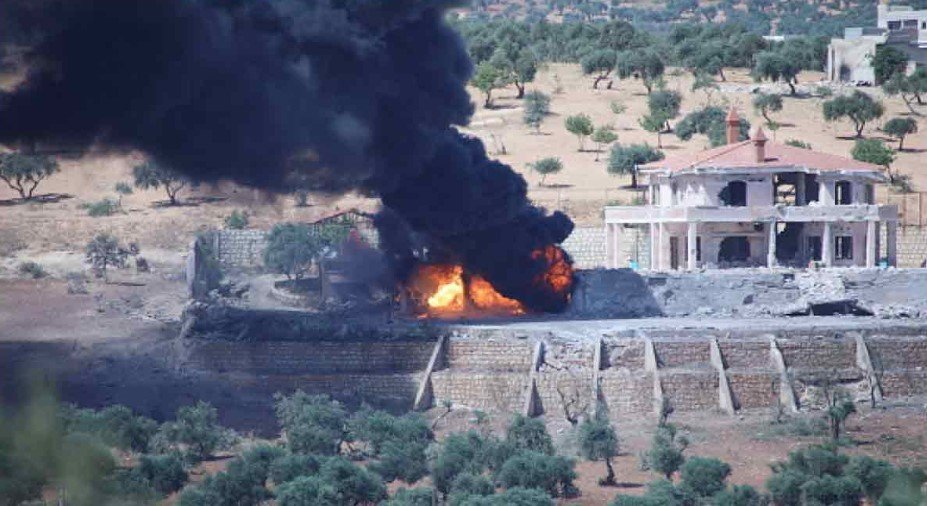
point(335, 96)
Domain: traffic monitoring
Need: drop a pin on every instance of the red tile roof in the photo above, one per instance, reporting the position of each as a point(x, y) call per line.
point(742, 155)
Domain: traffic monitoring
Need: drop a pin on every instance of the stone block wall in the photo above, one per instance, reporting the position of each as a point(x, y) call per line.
point(745, 354)
point(382, 390)
point(587, 247)
point(572, 388)
point(626, 392)
point(822, 353)
point(282, 358)
point(624, 354)
point(490, 355)
point(240, 248)
point(753, 389)
point(690, 390)
point(687, 354)
point(903, 383)
point(485, 390)
point(888, 354)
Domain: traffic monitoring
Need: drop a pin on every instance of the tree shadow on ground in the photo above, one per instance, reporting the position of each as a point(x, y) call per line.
point(47, 198)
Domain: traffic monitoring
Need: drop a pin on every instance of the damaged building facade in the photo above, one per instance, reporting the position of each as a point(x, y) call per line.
point(849, 59)
point(754, 203)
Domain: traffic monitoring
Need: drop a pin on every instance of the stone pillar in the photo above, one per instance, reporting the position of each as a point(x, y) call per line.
point(692, 246)
point(609, 253)
point(871, 250)
point(891, 240)
point(664, 248)
point(771, 245)
point(654, 247)
point(616, 243)
point(827, 245)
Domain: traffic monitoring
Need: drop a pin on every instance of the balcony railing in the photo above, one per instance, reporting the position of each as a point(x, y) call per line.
point(784, 213)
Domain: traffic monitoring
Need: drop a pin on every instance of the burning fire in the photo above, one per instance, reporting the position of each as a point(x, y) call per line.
point(441, 289)
point(444, 289)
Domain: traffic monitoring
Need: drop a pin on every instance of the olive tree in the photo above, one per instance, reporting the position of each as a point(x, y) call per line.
point(581, 126)
point(776, 65)
point(603, 136)
point(487, 78)
point(765, 103)
point(23, 173)
point(547, 166)
point(293, 247)
point(900, 128)
point(536, 108)
point(600, 64)
point(103, 252)
point(598, 441)
point(150, 175)
point(625, 159)
point(859, 107)
point(645, 64)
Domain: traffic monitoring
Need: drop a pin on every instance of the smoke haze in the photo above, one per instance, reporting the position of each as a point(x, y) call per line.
point(345, 94)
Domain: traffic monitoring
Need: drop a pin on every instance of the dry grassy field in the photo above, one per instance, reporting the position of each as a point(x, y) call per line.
point(54, 233)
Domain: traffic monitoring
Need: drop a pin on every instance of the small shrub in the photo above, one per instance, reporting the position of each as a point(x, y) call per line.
point(404, 460)
point(312, 424)
point(165, 473)
point(103, 252)
point(290, 467)
point(378, 427)
point(306, 491)
point(740, 495)
point(420, 496)
point(238, 220)
point(872, 474)
point(241, 484)
point(32, 269)
point(352, 483)
point(836, 490)
point(197, 431)
point(104, 207)
point(530, 469)
point(123, 188)
point(665, 455)
point(798, 144)
point(705, 476)
point(517, 496)
point(529, 434)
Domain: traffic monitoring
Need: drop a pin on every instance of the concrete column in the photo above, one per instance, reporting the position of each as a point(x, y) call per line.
point(692, 246)
point(827, 245)
point(654, 246)
point(771, 245)
point(871, 243)
point(616, 243)
point(609, 254)
point(891, 246)
point(664, 248)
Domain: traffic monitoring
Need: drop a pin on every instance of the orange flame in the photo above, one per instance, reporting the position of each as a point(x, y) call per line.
point(559, 275)
point(442, 290)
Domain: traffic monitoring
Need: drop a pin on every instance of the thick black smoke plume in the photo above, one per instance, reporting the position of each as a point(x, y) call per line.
point(347, 94)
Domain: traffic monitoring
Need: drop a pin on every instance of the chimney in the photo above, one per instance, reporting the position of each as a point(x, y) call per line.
point(759, 145)
point(733, 126)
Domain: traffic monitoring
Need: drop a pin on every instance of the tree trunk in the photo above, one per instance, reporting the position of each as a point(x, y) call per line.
point(766, 116)
point(610, 477)
point(521, 89)
point(721, 74)
point(488, 102)
point(859, 130)
point(659, 140)
point(901, 143)
point(598, 149)
point(792, 87)
point(598, 79)
point(633, 178)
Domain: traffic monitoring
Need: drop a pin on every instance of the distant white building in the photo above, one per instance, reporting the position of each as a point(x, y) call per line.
point(753, 203)
point(850, 58)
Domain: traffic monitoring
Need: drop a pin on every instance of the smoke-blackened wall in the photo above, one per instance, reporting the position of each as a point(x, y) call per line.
point(345, 94)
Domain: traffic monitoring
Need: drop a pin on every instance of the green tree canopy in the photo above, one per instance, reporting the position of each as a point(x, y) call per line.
point(873, 151)
point(292, 247)
point(487, 78)
point(887, 62)
point(546, 167)
point(765, 103)
point(625, 159)
point(154, 175)
point(536, 108)
point(859, 107)
point(603, 136)
point(645, 64)
point(600, 64)
point(900, 128)
point(23, 173)
point(776, 65)
point(581, 126)
point(598, 441)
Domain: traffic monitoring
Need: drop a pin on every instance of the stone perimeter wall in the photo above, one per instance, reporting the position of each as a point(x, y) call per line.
point(542, 374)
point(243, 248)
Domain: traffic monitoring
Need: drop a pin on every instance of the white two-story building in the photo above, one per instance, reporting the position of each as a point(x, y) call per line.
point(753, 203)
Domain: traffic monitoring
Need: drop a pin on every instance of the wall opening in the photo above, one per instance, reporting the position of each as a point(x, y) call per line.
point(843, 247)
point(785, 188)
point(734, 194)
point(788, 242)
point(814, 248)
point(734, 249)
point(812, 188)
point(843, 193)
